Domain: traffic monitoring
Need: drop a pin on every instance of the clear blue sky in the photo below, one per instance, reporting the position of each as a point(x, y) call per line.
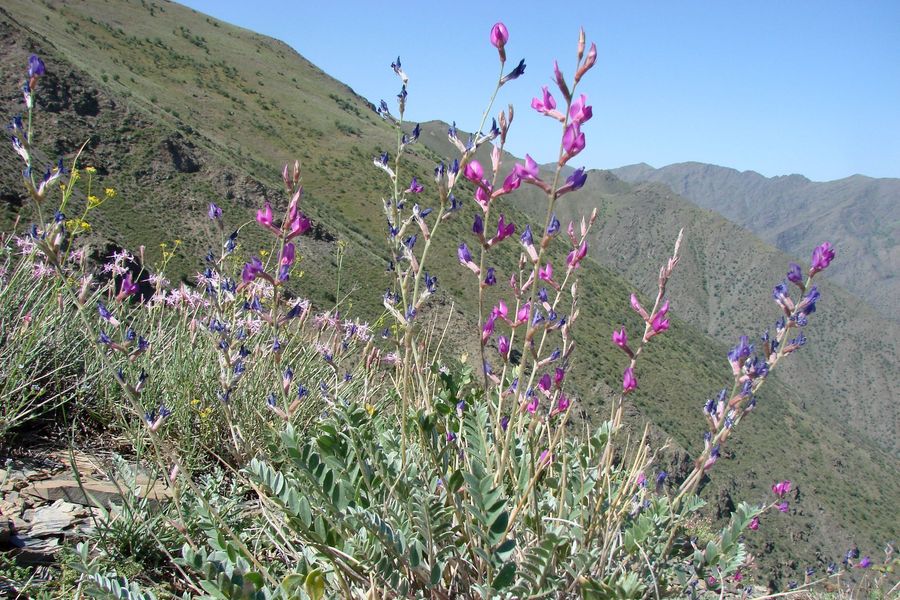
point(776, 87)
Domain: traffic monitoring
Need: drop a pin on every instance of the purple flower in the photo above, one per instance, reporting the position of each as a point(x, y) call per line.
point(865, 563)
point(415, 187)
point(577, 179)
point(36, 67)
point(251, 270)
point(515, 73)
point(504, 230)
point(783, 507)
point(490, 278)
point(553, 229)
point(499, 35)
point(214, 212)
point(463, 254)
point(478, 225)
point(821, 258)
point(794, 274)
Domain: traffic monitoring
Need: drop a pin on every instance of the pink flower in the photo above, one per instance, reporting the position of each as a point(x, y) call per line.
point(529, 171)
point(546, 272)
point(546, 105)
point(264, 216)
point(754, 524)
point(781, 488)
point(579, 112)
point(660, 323)
point(629, 383)
point(620, 338)
point(499, 35)
point(573, 140)
point(474, 172)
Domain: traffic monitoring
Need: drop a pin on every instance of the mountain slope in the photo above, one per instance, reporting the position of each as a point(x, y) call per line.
point(857, 214)
point(181, 109)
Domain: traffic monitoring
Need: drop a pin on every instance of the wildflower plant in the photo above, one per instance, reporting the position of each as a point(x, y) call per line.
point(366, 467)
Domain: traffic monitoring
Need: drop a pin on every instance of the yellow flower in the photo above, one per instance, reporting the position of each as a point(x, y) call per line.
point(110, 193)
point(90, 169)
point(94, 202)
point(195, 402)
point(77, 226)
point(264, 253)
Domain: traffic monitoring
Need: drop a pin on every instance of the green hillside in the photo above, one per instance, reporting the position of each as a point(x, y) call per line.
point(180, 110)
point(858, 214)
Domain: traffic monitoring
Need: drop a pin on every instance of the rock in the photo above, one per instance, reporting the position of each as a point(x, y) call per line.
point(91, 492)
point(54, 519)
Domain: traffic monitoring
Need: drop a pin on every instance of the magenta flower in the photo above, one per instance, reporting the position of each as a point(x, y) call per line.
point(754, 524)
point(573, 140)
point(546, 105)
point(300, 225)
point(512, 182)
point(636, 306)
point(865, 563)
point(264, 216)
point(562, 404)
point(522, 314)
point(576, 256)
point(629, 383)
point(474, 172)
point(529, 171)
point(128, 287)
point(487, 330)
point(503, 345)
point(501, 310)
point(579, 112)
point(499, 35)
point(559, 376)
point(546, 272)
point(287, 255)
point(821, 258)
point(660, 323)
point(504, 230)
point(620, 338)
point(544, 382)
point(781, 488)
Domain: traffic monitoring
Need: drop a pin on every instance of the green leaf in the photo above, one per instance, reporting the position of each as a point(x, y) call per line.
point(506, 576)
point(315, 585)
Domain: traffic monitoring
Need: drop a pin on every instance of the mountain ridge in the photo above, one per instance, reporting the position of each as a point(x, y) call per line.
point(857, 214)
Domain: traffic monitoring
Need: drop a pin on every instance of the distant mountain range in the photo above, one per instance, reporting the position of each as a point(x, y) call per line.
point(859, 215)
point(182, 109)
